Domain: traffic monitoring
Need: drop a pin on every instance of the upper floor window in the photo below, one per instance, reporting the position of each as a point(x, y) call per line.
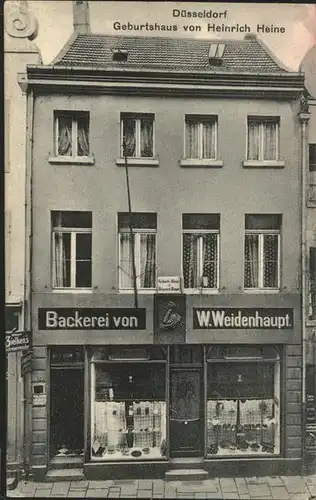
point(201, 137)
point(312, 157)
point(144, 227)
point(72, 134)
point(137, 134)
point(312, 283)
point(72, 249)
point(200, 249)
point(263, 138)
point(262, 251)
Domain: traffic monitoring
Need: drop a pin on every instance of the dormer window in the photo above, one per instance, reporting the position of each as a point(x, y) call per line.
point(215, 54)
point(120, 55)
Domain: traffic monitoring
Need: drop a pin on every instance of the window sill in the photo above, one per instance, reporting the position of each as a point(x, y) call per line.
point(195, 162)
point(143, 291)
point(138, 162)
point(69, 160)
point(261, 290)
point(200, 291)
point(263, 164)
point(72, 290)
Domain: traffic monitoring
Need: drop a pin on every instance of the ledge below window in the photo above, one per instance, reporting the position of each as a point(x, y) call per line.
point(138, 162)
point(69, 160)
point(263, 164)
point(206, 163)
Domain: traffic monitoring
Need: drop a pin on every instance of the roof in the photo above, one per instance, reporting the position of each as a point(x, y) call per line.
point(170, 54)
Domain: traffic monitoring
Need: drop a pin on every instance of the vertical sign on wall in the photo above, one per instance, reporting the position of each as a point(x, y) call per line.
point(169, 318)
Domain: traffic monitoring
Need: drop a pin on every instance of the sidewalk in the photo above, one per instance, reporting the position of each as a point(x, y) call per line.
point(249, 488)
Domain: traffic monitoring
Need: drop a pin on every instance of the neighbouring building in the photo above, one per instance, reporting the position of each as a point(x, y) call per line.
point(20, 28)
point(205, 360)
point(308, 67)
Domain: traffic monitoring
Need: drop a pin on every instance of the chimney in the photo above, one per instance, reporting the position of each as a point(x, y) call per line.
point(81, 18)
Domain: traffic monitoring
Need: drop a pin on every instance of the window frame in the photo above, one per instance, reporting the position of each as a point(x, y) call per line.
point(73, 231)
point(200, 232)
point(201, 120)
point(311, 285)
point(74, 116)
point(261, 162)
point(262, 233)
point(137, 117)
point(137, 232)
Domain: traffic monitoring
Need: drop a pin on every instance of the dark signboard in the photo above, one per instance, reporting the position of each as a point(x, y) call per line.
point(17, 341)
point(242, 318)
point(64, 318)
point(169, 318)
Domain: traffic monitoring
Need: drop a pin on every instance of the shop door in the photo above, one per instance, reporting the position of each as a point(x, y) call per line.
point(66, 411)
point(186, 415)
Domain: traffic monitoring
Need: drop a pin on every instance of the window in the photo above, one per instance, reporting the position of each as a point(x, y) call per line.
point(200, 249)
point(263, 139)
point(312, 157)
point(262, 251)
point(243, 402)
point(72, 245)
point(144, 236)
point(137, 132)
point(72, 134)
point(312, 283)
point(201, 137)
point(312, 173)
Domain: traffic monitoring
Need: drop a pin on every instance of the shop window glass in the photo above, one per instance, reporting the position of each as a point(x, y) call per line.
point(128, 411)
point(243, 409)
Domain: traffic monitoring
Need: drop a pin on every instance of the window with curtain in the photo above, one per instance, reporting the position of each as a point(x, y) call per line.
point(262, 251)
point(201, 137)
point(144, 226)
point(72, 249)
point(312, 283)
point(137, 131)
point(72, 134)
point(263, 138)
point(200, 248)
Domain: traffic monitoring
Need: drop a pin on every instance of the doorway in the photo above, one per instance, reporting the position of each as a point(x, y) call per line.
point(66, 411)
point(186, 413)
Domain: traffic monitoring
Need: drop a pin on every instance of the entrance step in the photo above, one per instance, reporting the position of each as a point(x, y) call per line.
point(65, 475)
point(186, 475)
point(186, 463)
point(66, 463)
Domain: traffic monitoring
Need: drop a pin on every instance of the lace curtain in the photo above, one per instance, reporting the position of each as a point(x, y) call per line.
point(251, 261)
point(199, 260)
point(65, 146)
point(146, 138)
point(83, 138)
point(265, 132)
point(200, 139)
point(145, 265)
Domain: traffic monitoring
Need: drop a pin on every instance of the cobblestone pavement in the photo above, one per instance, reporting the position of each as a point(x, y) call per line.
point(248, 488)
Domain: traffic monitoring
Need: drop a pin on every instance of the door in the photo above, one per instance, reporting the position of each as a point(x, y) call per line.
point(186, 412)
point(67, 411)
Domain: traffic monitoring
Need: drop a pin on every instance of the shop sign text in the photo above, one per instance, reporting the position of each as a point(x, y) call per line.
point(17, 341)
point(92, 319)
point(242, 318)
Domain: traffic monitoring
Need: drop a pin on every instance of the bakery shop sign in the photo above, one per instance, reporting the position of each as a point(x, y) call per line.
point(242, 318)
point(64, 318)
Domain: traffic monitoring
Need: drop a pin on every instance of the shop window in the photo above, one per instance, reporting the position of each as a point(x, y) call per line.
point(262, 252)
point(66, 354)
point(186, 354)
point(72, 249)
point(128, 413)
point(312, 283)
point(200, 250)
point(137, 135)
point(263, 139)
point(12, 315)
point(243, 404)
point(144, 235)
point(72, 134)
point(201, 137)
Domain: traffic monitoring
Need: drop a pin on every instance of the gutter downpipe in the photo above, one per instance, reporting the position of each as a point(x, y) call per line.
point(304, 117)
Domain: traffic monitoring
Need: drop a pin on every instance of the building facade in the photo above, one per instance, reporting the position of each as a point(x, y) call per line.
point(308, 67)
point(169, 327)
point(20, 29)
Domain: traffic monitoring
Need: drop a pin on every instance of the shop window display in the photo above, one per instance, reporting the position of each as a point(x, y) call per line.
point(243, 409)
point(128, 414)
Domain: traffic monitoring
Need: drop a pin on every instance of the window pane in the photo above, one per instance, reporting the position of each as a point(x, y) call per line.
point(146, 137)
point(210, 260)
point(189, 260)
point(263, 221)
point(72, 219)
point(83, 274)
point(200, 221)
point(147, 260)
point(83, 136)
point(208, 140)
point(126, 268)
point(270, 256)
point(251, 260)
point(129, 134)
point(185, 397)
point(192, 139)
point(64, 146)
point(62, 260)
point(253, 141)
point(270, 141)
point(83, 246)
point(140, 220)
point(312, 157)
